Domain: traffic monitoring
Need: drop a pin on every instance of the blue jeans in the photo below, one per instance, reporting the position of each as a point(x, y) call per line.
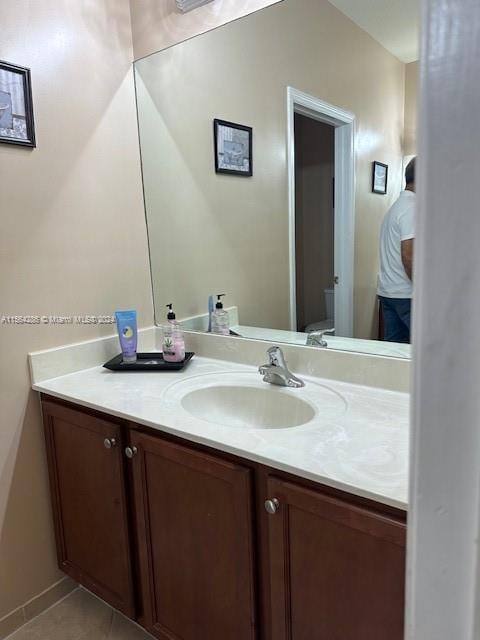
point(396, 319)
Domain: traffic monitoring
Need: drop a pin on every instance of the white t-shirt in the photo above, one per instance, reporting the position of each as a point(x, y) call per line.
point(398, 225)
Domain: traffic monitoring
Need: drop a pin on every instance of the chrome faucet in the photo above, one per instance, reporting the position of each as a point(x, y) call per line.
point(316, 339)
point(277, 372)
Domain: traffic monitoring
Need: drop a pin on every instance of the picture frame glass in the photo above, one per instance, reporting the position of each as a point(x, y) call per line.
point(380, 178)
point(13, 114)
point(233, 148)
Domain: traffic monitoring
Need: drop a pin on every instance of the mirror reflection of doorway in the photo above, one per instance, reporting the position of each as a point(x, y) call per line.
point(324, 135)
point(314, 223)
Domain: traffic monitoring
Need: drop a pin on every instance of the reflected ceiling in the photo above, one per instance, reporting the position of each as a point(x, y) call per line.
point(393, 23)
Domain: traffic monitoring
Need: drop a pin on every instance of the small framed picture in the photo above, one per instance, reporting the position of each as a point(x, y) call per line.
point(233, 148)
point(380, 178)
point(16, 106)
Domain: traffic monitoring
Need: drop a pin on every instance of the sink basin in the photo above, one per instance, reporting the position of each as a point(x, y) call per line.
point(245, 406)
point(241, 399)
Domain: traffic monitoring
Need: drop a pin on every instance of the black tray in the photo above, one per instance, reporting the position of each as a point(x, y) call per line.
point(147, 362)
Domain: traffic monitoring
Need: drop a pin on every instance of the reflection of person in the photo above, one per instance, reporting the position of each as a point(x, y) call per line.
point(395, 281)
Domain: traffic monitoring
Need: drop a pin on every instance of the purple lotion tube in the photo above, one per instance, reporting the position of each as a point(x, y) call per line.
point(127, 334)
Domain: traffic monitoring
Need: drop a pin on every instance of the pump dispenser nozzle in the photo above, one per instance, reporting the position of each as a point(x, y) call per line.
point(171, 314)
point(219, 304)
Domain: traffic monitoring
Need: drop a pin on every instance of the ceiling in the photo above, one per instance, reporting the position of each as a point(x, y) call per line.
point(393, 23)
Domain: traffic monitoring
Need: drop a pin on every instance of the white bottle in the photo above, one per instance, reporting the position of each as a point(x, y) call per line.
point(220, 319)
point(173, 340)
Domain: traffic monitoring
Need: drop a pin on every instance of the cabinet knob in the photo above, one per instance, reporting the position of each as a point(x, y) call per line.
point(271, 506)
point(130, 452)
point(108, 443)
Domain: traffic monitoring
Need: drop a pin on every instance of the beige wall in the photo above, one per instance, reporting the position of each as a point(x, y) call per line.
point(157, 24)
point(411, 107)
point(72, 241)
point(215, 233)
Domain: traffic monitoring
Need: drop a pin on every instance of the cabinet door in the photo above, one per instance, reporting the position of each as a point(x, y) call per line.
point(194, 524)
point(89, 503)
point(337, 571)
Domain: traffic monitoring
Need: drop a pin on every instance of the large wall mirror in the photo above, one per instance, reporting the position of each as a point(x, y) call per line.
point(272, 149)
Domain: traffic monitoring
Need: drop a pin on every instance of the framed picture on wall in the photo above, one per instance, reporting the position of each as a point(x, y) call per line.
point(233, 148)
point(380, 178)
point(16, 106)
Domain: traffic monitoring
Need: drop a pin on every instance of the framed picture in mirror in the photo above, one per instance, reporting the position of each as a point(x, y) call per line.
point(380, 178)
point(233, 148)
point(16, 106)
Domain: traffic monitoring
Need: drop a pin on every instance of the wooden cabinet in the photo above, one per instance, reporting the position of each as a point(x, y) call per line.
point(195, 535)
point(182, 532)
point(336, 570)
point(89, 503)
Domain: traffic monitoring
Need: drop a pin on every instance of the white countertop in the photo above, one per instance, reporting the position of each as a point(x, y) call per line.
point(358, 445)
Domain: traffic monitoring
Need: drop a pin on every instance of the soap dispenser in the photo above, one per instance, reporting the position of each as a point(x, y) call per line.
point(220, 319)
point(173, 340)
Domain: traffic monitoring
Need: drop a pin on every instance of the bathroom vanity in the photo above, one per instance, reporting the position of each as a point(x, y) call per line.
point(209, 505)
point(201, 530)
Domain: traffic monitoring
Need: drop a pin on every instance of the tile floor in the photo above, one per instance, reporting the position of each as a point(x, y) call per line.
point(80, 616)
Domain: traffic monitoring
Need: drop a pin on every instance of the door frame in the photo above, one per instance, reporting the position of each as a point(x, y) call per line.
point(344, 123)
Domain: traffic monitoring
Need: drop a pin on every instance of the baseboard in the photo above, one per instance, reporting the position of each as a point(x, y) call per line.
point(34, 607)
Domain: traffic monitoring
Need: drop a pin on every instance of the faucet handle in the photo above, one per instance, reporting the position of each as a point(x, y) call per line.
point(325, 331)
point(276, 372)
point(316, 337)
point(276, 357)
point(322, 332)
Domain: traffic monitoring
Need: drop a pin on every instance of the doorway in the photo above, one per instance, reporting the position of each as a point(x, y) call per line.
point(314, 223)
point(321, 261)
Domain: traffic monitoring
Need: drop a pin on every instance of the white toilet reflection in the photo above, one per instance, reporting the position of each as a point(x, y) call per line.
point(329, 321)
